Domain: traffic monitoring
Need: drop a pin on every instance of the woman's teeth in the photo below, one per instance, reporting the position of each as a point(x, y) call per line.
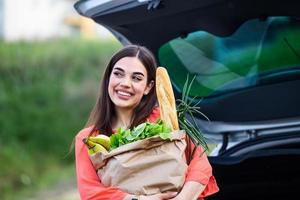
point(124, 93)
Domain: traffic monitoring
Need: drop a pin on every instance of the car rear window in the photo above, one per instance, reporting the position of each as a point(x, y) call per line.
point(259, 52)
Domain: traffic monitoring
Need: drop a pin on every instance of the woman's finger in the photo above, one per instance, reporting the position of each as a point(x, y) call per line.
point(168, 195)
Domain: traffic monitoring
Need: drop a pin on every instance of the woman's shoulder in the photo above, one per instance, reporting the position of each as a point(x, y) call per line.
point(154, 114)
point(156, 109)
point(84, 132)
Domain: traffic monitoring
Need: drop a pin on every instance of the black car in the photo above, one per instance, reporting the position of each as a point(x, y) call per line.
point(245, 57)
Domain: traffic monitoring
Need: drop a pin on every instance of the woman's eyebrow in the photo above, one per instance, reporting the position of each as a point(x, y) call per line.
point(122, 70)
point(118, 68)
point(138, 73)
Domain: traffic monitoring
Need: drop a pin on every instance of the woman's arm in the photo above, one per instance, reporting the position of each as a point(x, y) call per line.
point(190, 191)
point(88, 183)
point(199, 178)
point(200, 181)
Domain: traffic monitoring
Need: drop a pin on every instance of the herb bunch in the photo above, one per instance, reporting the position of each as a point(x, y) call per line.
point(186, 108)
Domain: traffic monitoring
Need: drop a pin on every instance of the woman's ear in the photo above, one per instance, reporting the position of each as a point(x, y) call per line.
point(149, 87)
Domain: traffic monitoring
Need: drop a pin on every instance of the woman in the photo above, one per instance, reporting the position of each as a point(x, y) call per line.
point(128, 99)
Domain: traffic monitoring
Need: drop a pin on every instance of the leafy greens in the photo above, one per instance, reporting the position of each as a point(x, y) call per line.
point(142, 131)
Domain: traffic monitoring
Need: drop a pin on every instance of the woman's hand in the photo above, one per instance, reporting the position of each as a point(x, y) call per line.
point(159, 196)
point(190, 191)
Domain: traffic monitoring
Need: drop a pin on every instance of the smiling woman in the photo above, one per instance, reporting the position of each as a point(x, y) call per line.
point(127, 100)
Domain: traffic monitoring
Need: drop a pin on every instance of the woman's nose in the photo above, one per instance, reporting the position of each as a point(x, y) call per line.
point(126, 81)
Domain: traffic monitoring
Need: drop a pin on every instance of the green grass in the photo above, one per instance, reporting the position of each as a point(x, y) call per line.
point(47, 90)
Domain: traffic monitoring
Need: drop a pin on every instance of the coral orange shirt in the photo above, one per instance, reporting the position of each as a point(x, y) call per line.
point(90, 187)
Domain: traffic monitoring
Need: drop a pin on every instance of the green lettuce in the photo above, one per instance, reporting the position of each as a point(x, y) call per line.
point(142, 131)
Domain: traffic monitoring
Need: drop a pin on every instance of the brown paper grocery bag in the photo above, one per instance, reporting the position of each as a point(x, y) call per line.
point(144, 167)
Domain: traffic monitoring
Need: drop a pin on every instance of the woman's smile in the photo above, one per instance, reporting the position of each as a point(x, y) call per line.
point(128, 83)
point(123, 94)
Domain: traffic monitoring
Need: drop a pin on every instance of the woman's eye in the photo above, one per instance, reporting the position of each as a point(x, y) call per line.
point(137, 78)
point(117, 74)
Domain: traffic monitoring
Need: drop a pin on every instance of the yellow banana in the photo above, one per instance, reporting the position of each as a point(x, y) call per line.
point(93, 147)
point(101, 139)
point(99, 148)
point(91, 151)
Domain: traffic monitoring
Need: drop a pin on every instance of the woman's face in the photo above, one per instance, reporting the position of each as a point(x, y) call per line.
point(128, 83)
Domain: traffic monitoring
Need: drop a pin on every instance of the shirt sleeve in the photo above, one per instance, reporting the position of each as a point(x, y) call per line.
point(88, 182)
point(200, 170)
point(155, 114)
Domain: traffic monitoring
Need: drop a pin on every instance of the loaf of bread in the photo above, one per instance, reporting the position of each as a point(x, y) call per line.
point(166, 99)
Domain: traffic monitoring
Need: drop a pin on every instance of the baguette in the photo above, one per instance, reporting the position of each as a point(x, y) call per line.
point(166, 99)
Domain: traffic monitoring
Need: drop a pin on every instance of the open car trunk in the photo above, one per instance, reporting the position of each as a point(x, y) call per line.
point(254, 116)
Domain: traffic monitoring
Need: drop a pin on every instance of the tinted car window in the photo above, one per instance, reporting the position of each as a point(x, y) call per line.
point(259, 52)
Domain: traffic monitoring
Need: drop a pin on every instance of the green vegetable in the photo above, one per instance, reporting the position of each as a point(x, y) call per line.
point(186, 108)
point(142, 131)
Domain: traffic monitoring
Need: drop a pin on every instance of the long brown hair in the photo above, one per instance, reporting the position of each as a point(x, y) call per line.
point(104, 111)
